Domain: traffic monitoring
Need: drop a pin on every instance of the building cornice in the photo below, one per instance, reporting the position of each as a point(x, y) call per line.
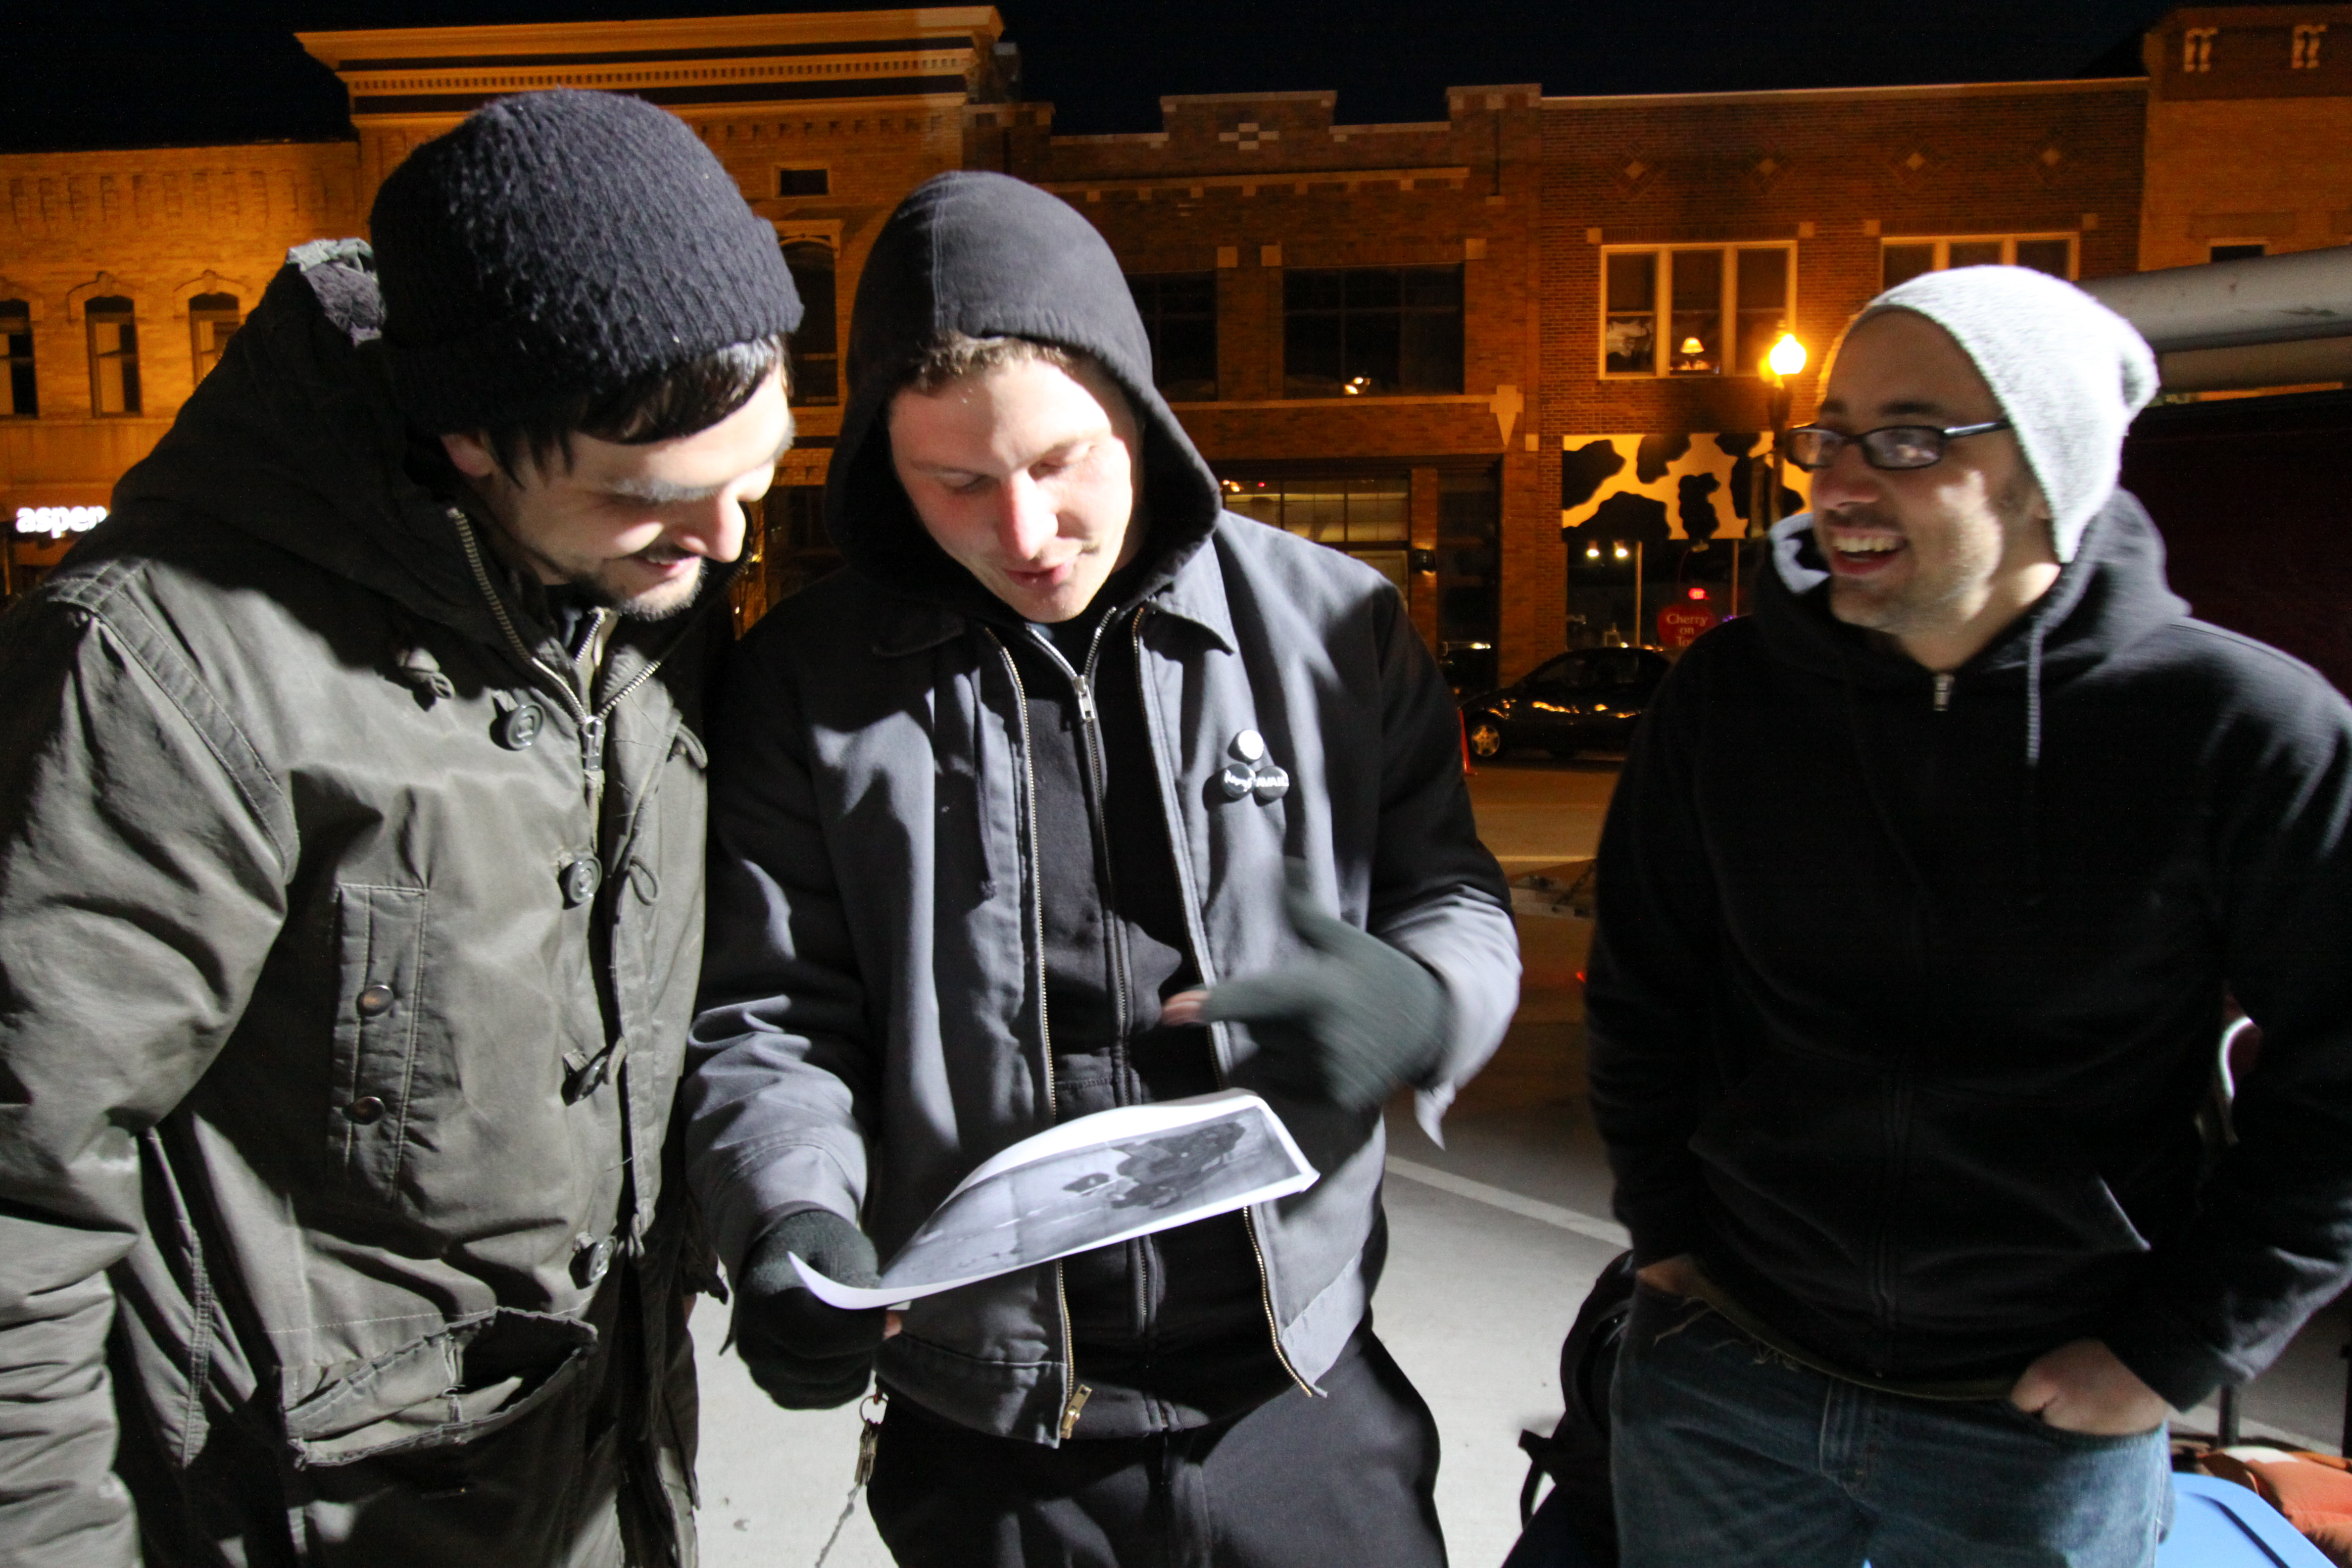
point(934, 55)
point(1855, 94)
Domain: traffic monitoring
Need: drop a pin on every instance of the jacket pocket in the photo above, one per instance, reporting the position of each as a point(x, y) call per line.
point(379, 1017)
point(463, 1382)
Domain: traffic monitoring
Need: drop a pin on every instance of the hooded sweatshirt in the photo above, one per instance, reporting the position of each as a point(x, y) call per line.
point(1907, 989)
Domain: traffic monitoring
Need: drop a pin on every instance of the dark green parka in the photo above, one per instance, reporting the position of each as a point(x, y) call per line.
point(341, 1000)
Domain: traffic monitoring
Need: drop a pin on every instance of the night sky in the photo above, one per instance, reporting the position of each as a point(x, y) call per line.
point(137, 73)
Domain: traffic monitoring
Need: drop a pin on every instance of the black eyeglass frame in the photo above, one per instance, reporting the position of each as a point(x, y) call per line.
point(1839, 440)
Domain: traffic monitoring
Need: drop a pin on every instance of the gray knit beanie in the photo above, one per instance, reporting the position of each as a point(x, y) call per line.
point(2068, 372)
point(559, 244)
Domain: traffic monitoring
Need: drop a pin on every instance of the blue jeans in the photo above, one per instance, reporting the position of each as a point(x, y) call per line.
point(1725, 1452)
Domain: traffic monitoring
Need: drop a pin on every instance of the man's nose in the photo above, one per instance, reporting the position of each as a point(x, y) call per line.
point(1026, 521)
point(1846, 481)
point(713, 528)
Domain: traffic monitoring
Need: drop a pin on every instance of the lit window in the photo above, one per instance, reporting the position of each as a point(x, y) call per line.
point(1180, 317)
point(20, 395)
point(1900, 260)
point(1368, 330)
point(1708, 292)
point(213, 320)
point(803, 181)
point(816, 347)
point(1370, 519)
point(113, 356)
point(2197, 48)
point(2306, 45)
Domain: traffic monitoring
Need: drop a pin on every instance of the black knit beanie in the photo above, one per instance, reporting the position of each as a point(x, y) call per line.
point(558, 244)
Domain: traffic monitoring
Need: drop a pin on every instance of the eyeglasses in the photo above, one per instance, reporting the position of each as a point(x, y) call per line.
point(1814, 447)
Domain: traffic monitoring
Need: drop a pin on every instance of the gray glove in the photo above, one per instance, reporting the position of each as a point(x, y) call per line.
point(805, 1354)
point(1348, 1024)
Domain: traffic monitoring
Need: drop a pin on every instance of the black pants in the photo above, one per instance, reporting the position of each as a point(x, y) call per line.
point(1348, 1481)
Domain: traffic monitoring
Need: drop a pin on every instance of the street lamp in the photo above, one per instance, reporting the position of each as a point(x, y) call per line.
point(1786, 359)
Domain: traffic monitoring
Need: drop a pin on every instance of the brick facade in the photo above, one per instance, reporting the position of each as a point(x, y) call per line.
point(1527, 195)
point(2249, 135)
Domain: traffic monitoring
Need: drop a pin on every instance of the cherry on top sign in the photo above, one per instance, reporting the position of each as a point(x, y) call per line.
point(1681, 624)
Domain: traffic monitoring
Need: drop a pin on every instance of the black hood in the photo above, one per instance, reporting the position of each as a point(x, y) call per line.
point(2111, 596)
point(988, 256)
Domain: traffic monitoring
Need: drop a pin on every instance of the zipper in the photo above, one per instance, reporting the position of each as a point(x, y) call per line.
point(1074, 1394)
point(1944, 684)
point(590, 723)
point(1207, 972)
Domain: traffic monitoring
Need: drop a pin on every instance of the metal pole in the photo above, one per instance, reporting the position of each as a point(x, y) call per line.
point(1638, 641)
point(1735, 578)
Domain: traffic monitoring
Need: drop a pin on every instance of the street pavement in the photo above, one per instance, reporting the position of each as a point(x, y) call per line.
point(1495, 1239)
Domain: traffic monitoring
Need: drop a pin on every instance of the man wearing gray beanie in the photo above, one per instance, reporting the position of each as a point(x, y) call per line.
point(351, 887)
point(1925, 896)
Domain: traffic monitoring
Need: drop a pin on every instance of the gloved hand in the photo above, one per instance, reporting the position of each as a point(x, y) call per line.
point(1348, 1025)
point(805, 1354)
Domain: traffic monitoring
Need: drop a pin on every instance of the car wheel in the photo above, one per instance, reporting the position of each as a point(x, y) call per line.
point(1485, 732)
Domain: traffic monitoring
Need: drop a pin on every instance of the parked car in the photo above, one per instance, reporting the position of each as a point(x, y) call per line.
point(1586, 700)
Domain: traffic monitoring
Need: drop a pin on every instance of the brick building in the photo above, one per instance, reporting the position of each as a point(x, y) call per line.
point(1551, 312)
point(2249, 133)
point(1501, 356)
point(120, 272)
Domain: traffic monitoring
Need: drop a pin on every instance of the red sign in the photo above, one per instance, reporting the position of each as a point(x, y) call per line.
point(1679, 625)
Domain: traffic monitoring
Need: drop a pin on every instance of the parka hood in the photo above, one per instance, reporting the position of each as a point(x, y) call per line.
point(294, 439)
point(988, 256)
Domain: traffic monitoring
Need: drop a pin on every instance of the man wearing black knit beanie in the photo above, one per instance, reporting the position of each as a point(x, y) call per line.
point(351, 886)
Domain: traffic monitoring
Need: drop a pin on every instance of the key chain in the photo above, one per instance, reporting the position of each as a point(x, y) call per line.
point(869, 1443)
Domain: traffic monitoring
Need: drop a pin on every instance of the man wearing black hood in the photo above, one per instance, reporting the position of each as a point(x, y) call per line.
point(997, 813)
point(1922, 898)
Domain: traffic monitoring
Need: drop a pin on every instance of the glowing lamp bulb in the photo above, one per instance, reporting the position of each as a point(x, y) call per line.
point(1693, 347)
point(1622, 552)
point(1593, 552)
point(1788, 355)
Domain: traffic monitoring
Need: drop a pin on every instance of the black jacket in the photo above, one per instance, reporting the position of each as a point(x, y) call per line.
point(1903, 1000)
point(900, 981)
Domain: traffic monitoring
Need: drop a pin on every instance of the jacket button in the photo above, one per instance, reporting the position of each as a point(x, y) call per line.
point(375, 1001)
point(521, 727)
point(591, 1260)
point(366, 1109)
point(582, 876)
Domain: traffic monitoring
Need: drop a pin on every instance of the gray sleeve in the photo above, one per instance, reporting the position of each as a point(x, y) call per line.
point(778, 1071)
point(1437, 892)
point(142, 885)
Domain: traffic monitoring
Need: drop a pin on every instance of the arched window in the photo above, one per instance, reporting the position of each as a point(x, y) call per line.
point(113, 356)
point(213, 320)
point(817, 356)
point(20, 396)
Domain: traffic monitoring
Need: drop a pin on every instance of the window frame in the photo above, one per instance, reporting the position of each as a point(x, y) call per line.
point(16, 324)
point(204, 357)
point(1943, 244)
point(93, 317)
point(783, 177)
point(1153, 317)
point(810, 316)
point(1404, 311)
point(1727, 306)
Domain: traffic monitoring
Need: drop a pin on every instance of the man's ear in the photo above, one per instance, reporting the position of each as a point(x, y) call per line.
point(472, 455)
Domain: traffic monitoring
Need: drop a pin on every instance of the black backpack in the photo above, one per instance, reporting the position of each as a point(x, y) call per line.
point(1576, 1455)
